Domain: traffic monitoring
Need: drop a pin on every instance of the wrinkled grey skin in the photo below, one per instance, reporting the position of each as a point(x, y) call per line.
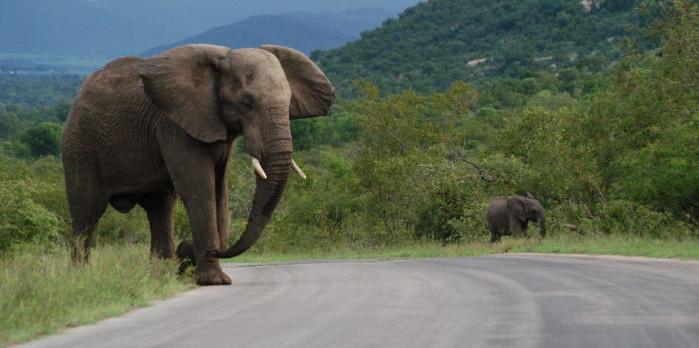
point(143, 131)
point(510, 216)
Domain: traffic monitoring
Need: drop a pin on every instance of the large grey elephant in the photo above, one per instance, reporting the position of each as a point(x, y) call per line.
point(143, 131)
point(511, 215)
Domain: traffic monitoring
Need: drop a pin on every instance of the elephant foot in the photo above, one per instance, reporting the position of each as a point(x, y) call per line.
point(208, 271)
point(213, 275)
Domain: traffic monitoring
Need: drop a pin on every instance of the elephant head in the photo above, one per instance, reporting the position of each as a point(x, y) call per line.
point(214, 93)
point(527, 209)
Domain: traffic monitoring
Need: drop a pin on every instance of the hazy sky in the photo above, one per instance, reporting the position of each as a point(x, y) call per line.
point(130, 26)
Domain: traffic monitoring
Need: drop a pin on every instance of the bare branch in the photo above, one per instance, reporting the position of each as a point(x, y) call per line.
point(482, 173)
point(485, 176)
point(570, 227)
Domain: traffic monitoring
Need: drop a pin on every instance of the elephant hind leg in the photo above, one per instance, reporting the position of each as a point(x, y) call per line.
point(159, 207)
point(86, 208)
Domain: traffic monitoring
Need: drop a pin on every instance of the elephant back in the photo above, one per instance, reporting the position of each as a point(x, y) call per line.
point(106, 107)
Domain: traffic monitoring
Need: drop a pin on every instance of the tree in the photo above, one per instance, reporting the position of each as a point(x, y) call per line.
point(44, 139)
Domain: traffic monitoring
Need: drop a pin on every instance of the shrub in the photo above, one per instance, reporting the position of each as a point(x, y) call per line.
point(627, 217)
point(23, 221)
point(454, 211)
point(617, 217)
point(44, 139)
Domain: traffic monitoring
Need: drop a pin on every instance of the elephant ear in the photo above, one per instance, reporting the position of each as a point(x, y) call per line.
point(515, 205)
point(182, 83)
point(312, 94)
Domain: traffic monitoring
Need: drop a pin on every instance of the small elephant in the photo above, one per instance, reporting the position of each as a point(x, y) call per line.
point(510, 216)
point(147, 130)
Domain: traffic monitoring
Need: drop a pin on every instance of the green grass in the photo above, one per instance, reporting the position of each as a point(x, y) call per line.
point(570, 244)
point(42, 293)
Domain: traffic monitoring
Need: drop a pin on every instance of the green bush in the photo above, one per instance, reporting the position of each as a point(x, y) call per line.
point(44, 139)
point(626, 217)
point(454, 211)
point(115, 227)
point(22, 221)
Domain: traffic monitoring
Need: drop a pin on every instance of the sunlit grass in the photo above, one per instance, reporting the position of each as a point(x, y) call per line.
point(41, 293)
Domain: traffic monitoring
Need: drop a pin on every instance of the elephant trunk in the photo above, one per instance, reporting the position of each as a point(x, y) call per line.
point(276, 163)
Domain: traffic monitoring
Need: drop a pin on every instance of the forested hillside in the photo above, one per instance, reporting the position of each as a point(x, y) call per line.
point(439, 41)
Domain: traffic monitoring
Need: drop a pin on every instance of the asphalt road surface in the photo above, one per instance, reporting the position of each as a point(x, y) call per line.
point(492, 301)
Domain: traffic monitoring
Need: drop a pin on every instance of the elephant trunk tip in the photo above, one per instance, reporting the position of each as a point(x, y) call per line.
point(247, 239)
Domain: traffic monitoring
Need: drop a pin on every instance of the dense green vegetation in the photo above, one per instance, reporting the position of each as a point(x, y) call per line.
point(611, 153)
point(36, 91)
point(32, 109)
point(619, 159)
point(440, 41)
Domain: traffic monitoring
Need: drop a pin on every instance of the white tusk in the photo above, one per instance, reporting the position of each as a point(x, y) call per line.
point(298, 170)
point(258, 168)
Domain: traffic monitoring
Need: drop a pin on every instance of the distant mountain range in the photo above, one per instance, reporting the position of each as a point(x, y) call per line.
point(108, 28)
point(304, 31)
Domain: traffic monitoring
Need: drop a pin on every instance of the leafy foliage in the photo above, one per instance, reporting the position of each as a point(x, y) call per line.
point(28, 90)
point(44, 139)
point(23, 221)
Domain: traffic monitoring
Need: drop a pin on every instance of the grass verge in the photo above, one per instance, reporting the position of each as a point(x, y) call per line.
point(42, 293)
point(569, 244)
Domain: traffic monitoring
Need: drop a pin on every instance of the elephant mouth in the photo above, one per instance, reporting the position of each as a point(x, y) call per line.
point(257, 166)
point(277, 125)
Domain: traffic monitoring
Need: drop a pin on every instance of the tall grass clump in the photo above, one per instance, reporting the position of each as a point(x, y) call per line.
point(41, 293)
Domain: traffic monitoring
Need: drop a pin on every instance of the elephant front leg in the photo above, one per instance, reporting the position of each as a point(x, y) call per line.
point(222, 213)
point(202, 216)
point(193, 175)
point(495, 234)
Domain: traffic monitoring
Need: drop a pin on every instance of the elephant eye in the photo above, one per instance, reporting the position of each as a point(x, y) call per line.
point(235, 83)
point(247, 102)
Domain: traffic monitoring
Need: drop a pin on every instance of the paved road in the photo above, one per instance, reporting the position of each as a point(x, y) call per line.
point(493, 301)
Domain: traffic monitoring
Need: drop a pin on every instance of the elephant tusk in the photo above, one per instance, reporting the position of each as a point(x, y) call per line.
point(298, 170)
point(258, 168)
